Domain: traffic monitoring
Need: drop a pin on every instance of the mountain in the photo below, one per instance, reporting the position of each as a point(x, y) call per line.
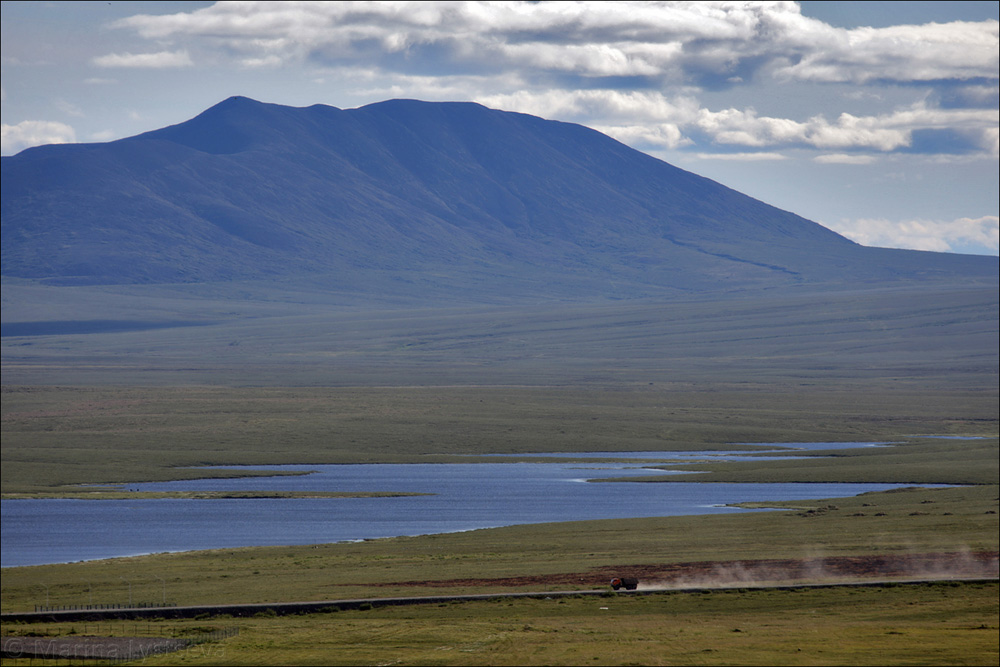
point(414, 198)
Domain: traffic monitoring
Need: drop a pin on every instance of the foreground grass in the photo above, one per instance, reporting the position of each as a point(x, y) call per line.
point(953, 625)
point(944, 624)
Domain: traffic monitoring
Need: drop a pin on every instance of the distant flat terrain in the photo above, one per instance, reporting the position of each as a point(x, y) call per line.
point(156, 335)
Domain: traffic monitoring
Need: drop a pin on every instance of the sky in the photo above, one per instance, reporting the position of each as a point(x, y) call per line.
point(879, 120)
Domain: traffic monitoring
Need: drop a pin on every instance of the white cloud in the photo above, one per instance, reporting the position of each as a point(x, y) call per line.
point(743, 157)
point(25, 134)
point(668, 41)
point(746, 128)
point(884, 132)
point(937, 235)
point(844, 158)
point(654, 120)
point(651, 118)
point(638, 118)
point(991, 141)
point(923, 116)
point(608, 105)
point(159, 60)
point(959, 51)
point(536, 57)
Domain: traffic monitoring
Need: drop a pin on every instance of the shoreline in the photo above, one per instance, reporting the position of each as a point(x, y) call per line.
point(207, 495)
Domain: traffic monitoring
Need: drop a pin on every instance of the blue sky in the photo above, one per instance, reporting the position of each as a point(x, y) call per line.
point(880, 120)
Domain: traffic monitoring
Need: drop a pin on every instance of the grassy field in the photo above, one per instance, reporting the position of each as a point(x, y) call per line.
point(941, 624)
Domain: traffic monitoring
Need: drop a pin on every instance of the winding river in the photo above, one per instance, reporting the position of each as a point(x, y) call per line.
point(463, 497)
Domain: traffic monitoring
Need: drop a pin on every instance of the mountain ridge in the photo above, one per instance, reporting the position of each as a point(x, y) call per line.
point(403, 191)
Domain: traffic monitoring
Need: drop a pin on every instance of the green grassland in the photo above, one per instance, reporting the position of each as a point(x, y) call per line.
point(881, 626)
point(942, 624)
point(920, 461)
point(58, 437)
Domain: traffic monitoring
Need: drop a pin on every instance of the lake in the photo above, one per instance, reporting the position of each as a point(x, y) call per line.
point(466, 497)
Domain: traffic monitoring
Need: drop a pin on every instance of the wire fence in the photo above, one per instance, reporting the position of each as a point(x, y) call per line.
point(102, 607)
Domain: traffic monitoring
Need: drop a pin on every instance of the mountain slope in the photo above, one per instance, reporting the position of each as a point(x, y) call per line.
point(444, 198)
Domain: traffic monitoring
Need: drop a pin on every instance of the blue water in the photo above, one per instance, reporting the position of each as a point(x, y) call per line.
point(814, 446)
point(466, 497)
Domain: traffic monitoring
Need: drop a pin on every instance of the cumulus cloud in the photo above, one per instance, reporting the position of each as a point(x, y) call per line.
point(746, 128)
point(936, 235)
point(666, 41)
point(25, 134)
point(653, 119)
point(959, 50)
point(884, 132)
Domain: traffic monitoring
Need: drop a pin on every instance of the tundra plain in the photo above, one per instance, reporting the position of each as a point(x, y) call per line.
point(110, 402)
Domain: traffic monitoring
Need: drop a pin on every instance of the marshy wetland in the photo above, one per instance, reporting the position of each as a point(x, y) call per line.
point(336, 503)
point(58, 438)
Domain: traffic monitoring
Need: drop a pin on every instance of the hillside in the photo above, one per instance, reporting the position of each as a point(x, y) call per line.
point(451, 200)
